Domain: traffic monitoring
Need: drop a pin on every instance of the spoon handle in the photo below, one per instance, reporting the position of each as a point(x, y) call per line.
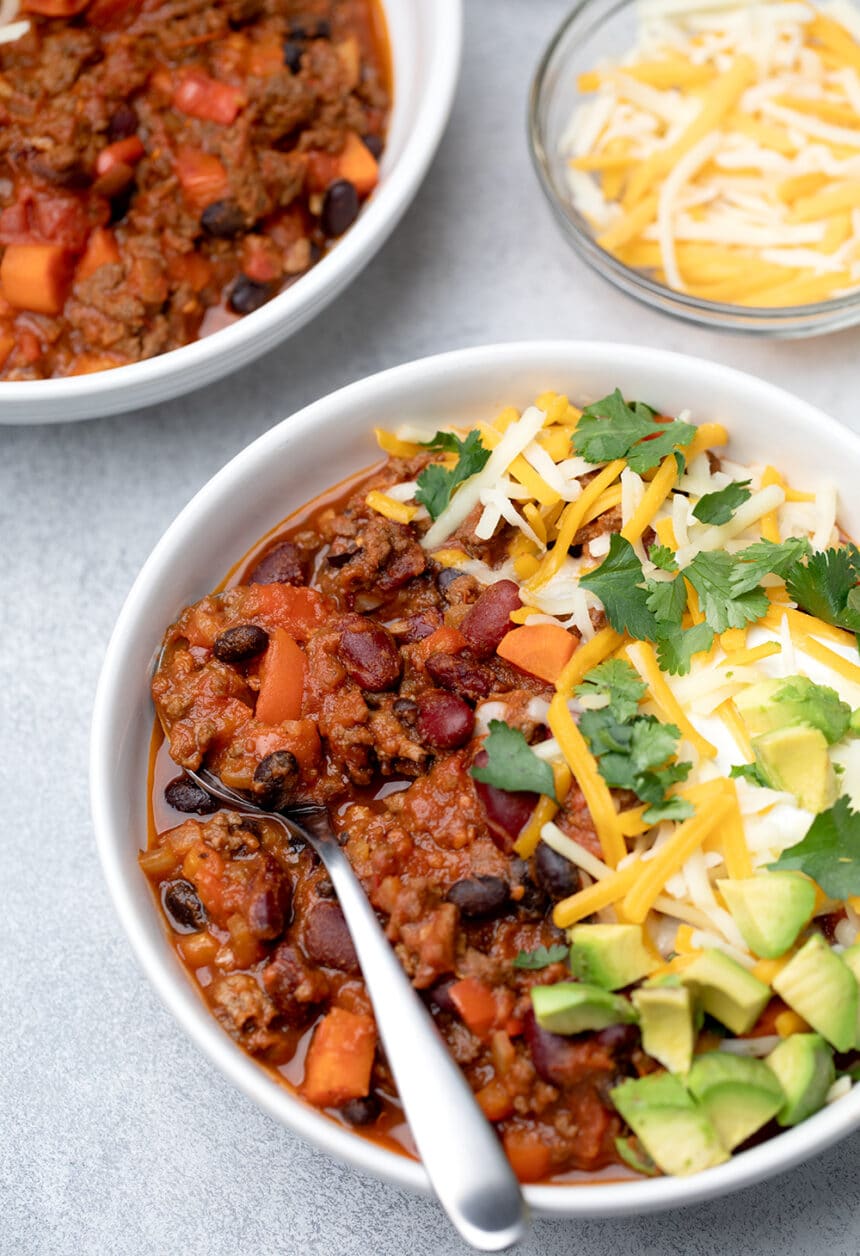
point(462, 1155)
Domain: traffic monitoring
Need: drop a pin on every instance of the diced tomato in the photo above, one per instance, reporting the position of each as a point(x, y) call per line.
point(265, 59)
point(201, 96)
point(54, 8)
point(476, 1005)
point(298, 610)
point(322, 170)
point(282, 680)
point(194, 268)
point(261, 259)
point(28, 349)
point(202, 177)
point(101, 250)
point(36, 277)
point(61, 220)
point(15, 222)
point(104, 13)
point(340, 1059)
point(128, 152)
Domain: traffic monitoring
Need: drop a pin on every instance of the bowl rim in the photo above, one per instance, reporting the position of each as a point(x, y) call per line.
point(779, 320)
point(111, 719)
point(179, 370)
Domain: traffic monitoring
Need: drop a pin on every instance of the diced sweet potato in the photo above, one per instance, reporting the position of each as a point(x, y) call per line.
point(339, 1059)
point(36, 277)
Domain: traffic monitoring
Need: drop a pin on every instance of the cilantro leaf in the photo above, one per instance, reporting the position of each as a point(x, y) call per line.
point(617, 583)
point(620, 682)
point(667, 599)
point(726, 598)
point(634, 754)
point(677, 646)
point(772, 557)
point(436, 483)
point(661, 556)
point(511, 763)
point(719, 507)
point(826, 586)
point(830, 851)
point(541, 957)
point(447, 441)
point(673, 808)
point(610, 428)
point(748, 772)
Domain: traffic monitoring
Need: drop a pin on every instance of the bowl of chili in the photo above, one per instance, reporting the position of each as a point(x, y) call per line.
point(272, 591)
point(222, 178)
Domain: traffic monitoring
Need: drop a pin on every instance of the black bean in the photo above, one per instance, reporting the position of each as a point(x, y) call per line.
point(340, 207)
point(447, 576)
point(245, 641)
point(324, 888)
point(555, 874)
point(182, 905)
point(478, 897)
point(361, 1111)
point(374, 145)
point(223, 219)
point(247, 295)
point(341, 556)
point(406, 711)
point(276, 779)
point(534, 902)
point(123, 123)
point(293, 56)
point(182, 794)
point(302, 28)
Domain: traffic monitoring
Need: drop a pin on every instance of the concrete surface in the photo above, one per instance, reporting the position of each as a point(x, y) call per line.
point(116, 1136)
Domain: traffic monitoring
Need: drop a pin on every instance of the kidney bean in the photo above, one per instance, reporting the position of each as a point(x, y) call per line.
point(557, 1059)
point(276, 779)
point(285, 564)
point(223, 219)
point(361, 1111)
point(182, 905)
point(123, 123)
point(417, 627)
point(619, 1040)
point(479, 897)
point(339, 208)
point(341, 551)
point(282, 977)
point(373, 143)
point(555, 874)
point(245, 641)
point(267, 911)
point(440, 995)
point(444, 720)
point(460, 675)
point(490, 618)
point(182, 794)
point(327, 939)
point(508, 811)
point(370, 655)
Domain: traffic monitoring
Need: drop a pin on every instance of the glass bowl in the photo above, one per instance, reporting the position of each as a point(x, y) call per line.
point(598, 29)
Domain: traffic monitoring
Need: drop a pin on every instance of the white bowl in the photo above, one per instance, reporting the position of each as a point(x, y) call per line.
point(425, 41)
point(285, 468)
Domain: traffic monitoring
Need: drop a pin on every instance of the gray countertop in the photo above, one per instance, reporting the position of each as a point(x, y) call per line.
point(116, 1135)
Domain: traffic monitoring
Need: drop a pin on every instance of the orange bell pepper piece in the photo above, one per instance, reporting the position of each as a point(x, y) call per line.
point(539, 649)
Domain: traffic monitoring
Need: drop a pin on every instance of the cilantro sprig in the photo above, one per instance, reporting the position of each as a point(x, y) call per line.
point(826, 586)
point(633, 751)
point(540, 957)
point(436, 483)
point(830, 851)
point(719, 507)
point(612, 428)
point(512, 764)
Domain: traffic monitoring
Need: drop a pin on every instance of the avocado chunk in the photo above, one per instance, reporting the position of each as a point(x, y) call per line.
point(770, 909)
point(803, 1064)
point(726, 990)
point(796, 760)
point(666, 1019)
point(822, 989)
point(572, 1007)
point(670, 1125)
point(610, 956)
point(738, 1095)
point(793, 701)
point(851, 957)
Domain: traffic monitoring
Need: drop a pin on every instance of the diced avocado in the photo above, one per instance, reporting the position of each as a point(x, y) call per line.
point(851, 957)
point(796, 760)
point(667, 1023)
point(803, 1064)
point(726, 990)
point(770, 909)
point(572, 1007)
point(738, 1094)
point(670, 1125)
point(793, 701)
point(610, 956)
point(822, 989)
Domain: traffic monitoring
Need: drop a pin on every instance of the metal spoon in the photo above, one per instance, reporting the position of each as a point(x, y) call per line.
point(461, 1152)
